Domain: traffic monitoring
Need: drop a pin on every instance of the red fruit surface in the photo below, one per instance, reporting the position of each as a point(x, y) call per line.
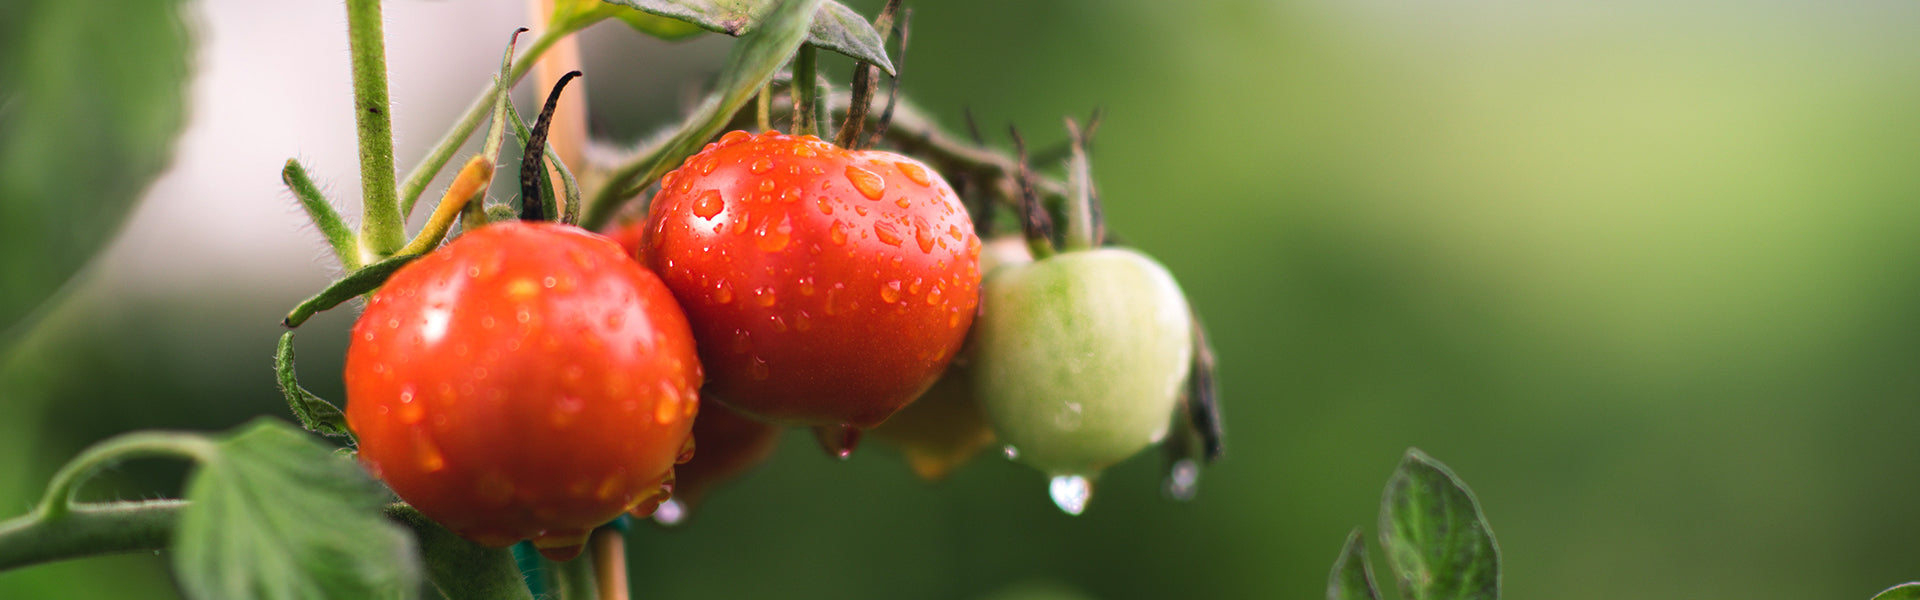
point(824, 286)
point(526, 381)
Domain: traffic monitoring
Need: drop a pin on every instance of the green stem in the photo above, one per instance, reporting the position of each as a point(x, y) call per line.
point(88, 530)
point(450, 143)
point(576, 579)
point(339, 235)
point(458, 568)
point(806, 93)
point(58, 501)
point(382, 228)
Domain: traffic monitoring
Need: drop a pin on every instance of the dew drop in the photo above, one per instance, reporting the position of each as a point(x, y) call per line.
point(1183, 480)
point(804, 151)
point(825, 208)
point(760, 167)
point(1011, 452)
point(890, 293)
point(708, 204)
point(779, 324)
point(838, 440)
point(903, 202)
point(837, 232)
point(869, 184)
point(431, 460)
point(734, 137)
point(934, 295)
point(789, 195)
point(1070, 493)
point(764, 296)
point(923, 234)
point(668, 408)
point(723, 293)
point(766, 185)
point(742, 340)
point(806, 285)
point(860, 209)
point(888, 233)
point(759, 369)
point(670, 513)
point(802, 321)
point(774, 238)
point(914, 172)
point(914, 288)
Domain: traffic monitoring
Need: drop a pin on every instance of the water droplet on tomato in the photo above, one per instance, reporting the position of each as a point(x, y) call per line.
point(708, 204)
point(759, 369)
point(890, 293)
point(760, 167)
point(838, 440)
point(668, 407)
point(914, 172)
point(723, 293)
point(764, 296)
point(888, 233)
point(742, 340)
point(860, 209)
point(431, 460)
point(779, 324)
point(923, 234)
point(837, 232)
point(869, 184)
point(825, 208)
point(934, 295)
point(766, 185)
point(734, 137)
point(774, 238)
point(806, 285)
point(1070, 493)
point(914, 288)
point(804, 151)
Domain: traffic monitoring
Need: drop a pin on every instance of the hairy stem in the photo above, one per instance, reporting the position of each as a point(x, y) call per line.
point(339, 235)
point(88, 530)
point(382, 227)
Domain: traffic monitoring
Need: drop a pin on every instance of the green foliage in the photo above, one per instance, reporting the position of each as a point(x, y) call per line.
point(316, 414)
point(1352, 578)
point(92, 95)
point(1436, 541)
point(834, 27)
point(1438, 544)
point(1904, 591)
point(274, 515)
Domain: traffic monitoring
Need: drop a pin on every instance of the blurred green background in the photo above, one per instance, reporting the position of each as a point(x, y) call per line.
point(1642, 272)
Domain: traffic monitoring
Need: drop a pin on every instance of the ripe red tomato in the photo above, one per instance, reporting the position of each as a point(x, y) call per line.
point(527, 381)
point(825, 287)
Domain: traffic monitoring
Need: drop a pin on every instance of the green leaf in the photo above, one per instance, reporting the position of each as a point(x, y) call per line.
point(835, 27)
point(315, 413)
point(751, 65)
point(1352, 579)
point(360, 282)
point(92, 96)
point(1437, 542)
point(275, 515)
point(1904, 591)
point(658, 26)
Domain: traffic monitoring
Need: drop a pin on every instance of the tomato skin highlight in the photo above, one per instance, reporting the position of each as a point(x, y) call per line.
point(1080, 357)
point(526, 381)
point(824, 286)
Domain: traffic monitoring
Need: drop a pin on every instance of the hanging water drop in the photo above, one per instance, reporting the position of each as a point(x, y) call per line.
point(837, 440)
point(1183, 480)
point(1070, 493)
point(670, 513)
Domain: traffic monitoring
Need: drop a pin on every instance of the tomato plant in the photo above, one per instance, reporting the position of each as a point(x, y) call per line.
point(825, 286)
point(525, 381)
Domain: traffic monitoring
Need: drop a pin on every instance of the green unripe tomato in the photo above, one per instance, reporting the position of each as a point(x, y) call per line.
point(1081, 357)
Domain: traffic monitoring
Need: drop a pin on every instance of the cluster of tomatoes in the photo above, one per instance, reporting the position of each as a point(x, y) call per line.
point(533, 380)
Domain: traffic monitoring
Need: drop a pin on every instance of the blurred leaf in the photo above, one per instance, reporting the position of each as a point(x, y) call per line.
point(835, 27)
point(1352, 579)
point(1904, 591)
point(316, 414)
point(1436, 541)
point(92, 95)
point(275, 515)
point(657, 26)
